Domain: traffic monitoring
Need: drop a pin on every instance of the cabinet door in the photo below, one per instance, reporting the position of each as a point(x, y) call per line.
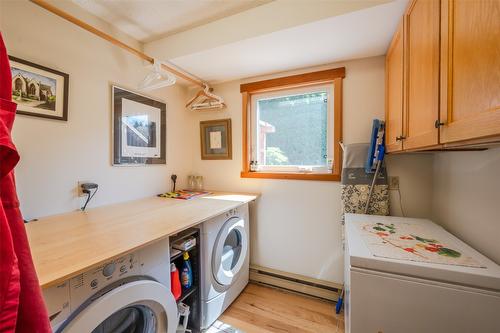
point(422, 73)
point(470, 69)
point(394, 69)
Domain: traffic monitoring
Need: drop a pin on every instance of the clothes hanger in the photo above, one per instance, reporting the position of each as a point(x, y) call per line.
point(210, 101)
point(158, 78)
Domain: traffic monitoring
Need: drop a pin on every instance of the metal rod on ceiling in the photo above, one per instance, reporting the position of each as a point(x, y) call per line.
point(53, 9)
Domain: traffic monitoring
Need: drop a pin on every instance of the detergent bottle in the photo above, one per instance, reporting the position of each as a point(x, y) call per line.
point(186, 273)
point(175, 283)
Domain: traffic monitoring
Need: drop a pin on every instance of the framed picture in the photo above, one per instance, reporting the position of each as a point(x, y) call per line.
point(39, 91)
point(216, 139)
point(139, 128)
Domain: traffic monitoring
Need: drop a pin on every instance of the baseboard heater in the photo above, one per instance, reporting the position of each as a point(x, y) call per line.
point(296, 283)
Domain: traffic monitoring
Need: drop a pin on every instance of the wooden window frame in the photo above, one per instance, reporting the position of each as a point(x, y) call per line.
point(333, 76)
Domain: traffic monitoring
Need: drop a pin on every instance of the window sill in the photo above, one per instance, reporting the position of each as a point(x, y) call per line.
point(290, 175)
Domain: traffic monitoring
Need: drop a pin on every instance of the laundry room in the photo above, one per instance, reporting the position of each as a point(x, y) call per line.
point(249, 166)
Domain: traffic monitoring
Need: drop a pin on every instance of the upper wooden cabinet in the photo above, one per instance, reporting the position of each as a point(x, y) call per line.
point(394, 92)
point(470, 69)
point(422, 74)
point(450, 75)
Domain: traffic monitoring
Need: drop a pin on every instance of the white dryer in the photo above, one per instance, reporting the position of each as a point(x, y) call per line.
point(129, 294)
point(225, 261)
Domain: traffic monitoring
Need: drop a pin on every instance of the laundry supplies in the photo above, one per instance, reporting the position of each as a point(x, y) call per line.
point(186, 272)
point(175, 283)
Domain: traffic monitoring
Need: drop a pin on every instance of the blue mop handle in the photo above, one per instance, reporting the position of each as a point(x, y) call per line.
point(381, 152)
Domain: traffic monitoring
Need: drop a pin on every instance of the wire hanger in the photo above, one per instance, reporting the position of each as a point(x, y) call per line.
point(205, 100)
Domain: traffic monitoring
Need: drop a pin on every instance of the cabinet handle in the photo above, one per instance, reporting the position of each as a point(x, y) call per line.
point(400, 138)
point(438, 124)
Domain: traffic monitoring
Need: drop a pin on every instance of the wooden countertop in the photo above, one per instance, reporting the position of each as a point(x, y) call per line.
point(65, 245)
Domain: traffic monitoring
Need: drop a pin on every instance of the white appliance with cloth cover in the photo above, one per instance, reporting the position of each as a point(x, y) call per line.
point(225, 261)
point(411, 275)
point(128, 294)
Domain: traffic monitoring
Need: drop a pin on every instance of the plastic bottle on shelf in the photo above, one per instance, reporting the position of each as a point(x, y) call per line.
point(175, 283)
point(186, 273)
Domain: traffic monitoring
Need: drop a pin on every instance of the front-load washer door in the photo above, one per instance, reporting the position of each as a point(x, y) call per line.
point(230, 251)
point(143, 306)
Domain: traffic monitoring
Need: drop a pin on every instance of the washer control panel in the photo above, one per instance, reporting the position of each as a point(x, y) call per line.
point(231, 213)
point(108, 269)
point(83, 285)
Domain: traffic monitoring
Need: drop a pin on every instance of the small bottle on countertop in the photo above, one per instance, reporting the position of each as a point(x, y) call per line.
point(191, 182)
point(199, 183)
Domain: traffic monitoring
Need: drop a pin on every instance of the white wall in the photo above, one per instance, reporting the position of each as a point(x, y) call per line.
point(466, 198)
point(295, 225)
point(54, 154)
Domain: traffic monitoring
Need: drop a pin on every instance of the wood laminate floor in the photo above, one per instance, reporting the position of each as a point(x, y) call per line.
point(261, 309)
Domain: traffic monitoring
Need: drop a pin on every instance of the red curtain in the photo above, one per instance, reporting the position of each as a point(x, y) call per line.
point(21, 304)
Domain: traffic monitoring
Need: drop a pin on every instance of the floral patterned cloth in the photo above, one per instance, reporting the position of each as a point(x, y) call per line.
point(354, 199)
point(406, 241)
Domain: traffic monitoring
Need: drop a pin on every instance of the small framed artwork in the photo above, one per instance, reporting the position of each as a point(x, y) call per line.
point(39, 91)
point(139, 128)
point(216, 139)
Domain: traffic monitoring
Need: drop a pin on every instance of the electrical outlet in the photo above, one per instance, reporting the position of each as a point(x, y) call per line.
point(79, 188)
point(394, 183)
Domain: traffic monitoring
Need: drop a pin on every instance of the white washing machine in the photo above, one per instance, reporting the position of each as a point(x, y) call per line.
point(225, 261)
point(129, 294)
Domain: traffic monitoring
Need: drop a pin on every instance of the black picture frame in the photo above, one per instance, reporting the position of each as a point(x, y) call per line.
point(120, 94)
point(18, 95)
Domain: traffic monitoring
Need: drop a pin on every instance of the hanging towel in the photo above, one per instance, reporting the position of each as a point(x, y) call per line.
point(21, 302)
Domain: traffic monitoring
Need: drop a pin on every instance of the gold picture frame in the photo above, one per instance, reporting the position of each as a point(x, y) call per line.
point(216, 139)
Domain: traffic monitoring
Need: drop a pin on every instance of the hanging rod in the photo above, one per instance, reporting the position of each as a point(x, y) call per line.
point(112, 40)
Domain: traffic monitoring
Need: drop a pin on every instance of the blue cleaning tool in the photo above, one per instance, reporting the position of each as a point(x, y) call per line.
point(376, 153)
point(340, 302)
point(376, 142)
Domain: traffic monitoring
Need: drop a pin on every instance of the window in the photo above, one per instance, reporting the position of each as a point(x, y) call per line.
point(292, 127)
point(290, 131)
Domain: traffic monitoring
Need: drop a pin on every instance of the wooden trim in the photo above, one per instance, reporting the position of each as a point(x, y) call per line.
point(244, 131)
point(294, 80)
point(289, 175)
point(53, 9)
point(337, 127)
point(337, 138)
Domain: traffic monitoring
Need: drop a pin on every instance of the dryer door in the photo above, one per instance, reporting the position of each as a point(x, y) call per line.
point(230, 251)
point(143, 306)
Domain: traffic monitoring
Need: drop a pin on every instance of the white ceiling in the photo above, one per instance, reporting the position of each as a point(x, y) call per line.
point(330, 32)
point(355, 35)
point(147, 20)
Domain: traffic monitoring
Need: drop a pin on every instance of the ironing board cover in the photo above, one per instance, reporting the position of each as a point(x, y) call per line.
point(21, 305)
point(356, 184)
